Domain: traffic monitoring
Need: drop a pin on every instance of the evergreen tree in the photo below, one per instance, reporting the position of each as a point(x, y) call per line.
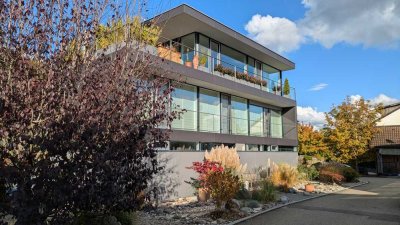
point(286, 87)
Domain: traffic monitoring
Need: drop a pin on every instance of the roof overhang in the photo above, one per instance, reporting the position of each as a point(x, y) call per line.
point(184, 20)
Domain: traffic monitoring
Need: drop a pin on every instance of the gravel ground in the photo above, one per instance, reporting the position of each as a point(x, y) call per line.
point(189, 211)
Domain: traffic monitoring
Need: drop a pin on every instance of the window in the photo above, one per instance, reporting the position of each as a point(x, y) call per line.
point(209, 108)
point(251, 66)
point(203, 52)
point(214, 54)
point(184, 97)
point(232, 59)
point(287, 149)
point(187, 48)
point(258, 69)
point(267, 122)
point(272, 76)
point(239, 121)
point(182, 146)
point(254, 148)
point(225, 126)
point(208, 145)
point(256, 120)
point(276, 124)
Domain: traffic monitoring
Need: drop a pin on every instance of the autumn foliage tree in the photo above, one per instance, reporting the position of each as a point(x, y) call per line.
point(79, 129)
point(350, 128)
point(311, 141)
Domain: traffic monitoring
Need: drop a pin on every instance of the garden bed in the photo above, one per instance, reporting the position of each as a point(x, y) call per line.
point(189, 211)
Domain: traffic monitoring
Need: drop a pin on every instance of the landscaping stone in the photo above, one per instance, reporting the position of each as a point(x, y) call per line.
point(246, 210)
point(188, 211)
point(284, 199)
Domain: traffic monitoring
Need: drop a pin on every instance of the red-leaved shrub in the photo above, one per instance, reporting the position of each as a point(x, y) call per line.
point(327, 176)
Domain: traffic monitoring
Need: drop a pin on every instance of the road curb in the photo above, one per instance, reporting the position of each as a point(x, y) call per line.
point(294, 202)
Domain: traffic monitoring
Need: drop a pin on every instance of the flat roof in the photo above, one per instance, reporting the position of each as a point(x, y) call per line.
point(184, 19)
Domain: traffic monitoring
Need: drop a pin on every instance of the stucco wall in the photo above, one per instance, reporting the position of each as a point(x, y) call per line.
point(391, 119)
point(176, 163)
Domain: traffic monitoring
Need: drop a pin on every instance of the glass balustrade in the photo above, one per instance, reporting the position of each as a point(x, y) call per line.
point(223, 61)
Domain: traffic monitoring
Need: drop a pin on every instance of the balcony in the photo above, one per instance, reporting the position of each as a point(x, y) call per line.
point(214, 62)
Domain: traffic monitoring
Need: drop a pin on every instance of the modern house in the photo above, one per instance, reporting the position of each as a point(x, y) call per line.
point(386, 142)
point(230, 89)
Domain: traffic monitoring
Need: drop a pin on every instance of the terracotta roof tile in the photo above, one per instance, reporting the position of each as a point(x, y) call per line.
point(386, 136)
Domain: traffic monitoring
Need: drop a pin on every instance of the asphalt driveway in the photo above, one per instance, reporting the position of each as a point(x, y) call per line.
point(376, 203)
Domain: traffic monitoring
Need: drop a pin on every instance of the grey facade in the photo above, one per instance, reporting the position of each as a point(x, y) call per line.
point(231, 92)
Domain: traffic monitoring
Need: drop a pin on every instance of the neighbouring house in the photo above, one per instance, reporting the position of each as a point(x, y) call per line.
point(230, 89)
point(386, 142)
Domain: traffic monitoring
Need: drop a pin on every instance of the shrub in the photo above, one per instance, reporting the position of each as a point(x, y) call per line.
point(204, 169)
point(243, 194)
point(350, 174)
point(263, 173)
point(222, 186)
point(126, 218)
point(119, 218)
point(227, 157)
point(308, 173)
point(332, 173)
point(284, 176)
point(330, 177)
point(266, 193)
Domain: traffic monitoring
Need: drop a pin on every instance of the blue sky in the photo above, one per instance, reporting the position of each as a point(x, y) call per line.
point(341, 48)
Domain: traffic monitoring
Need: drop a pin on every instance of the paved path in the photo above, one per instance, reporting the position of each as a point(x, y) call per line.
point(376, 203)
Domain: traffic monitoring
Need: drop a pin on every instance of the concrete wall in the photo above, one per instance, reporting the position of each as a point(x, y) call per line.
point(177, 162)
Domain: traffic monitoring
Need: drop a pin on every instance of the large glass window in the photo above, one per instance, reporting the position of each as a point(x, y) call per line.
point(204, 53)
point(225, 114)
point(187, 48)
point(214, 54)
point(267, 122)
point(272, 76)
point(251, 70)
point(239, 117)
point(276, 124)
point(209, 108)
point(256, 120)
point(184, 97)
point(232, 59)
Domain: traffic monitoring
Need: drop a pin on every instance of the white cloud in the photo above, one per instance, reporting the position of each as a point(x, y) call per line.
point(380, 99)
point(385, 100)
point(318, 87)
point(278, 34)
point(371, 23)
point(354, 98)
point(311, 115)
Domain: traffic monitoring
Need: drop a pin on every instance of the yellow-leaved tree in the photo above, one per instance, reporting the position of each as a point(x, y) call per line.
point(311, 141)
point(350, 128)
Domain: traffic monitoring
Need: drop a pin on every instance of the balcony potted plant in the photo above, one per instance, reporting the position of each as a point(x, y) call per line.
point(188, 62)
point(277, 89)
point(196, 61)
point(202, 62)
point(286, 88)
